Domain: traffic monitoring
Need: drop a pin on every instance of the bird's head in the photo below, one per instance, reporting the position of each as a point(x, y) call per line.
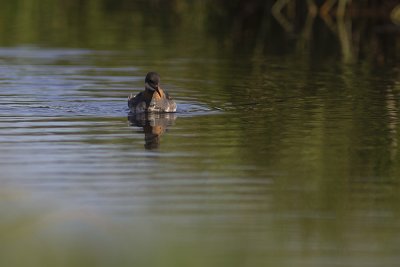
point(152, 82)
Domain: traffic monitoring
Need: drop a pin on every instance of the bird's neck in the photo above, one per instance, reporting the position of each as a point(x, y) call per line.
point(152, 94)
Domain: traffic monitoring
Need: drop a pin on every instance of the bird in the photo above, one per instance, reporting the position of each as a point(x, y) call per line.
point(153, 98)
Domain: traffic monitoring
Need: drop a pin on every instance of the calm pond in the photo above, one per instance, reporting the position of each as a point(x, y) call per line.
point(277, 156)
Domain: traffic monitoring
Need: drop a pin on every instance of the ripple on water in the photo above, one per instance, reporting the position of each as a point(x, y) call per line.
point(190, 109)
point(103, 107)
point(66, 82)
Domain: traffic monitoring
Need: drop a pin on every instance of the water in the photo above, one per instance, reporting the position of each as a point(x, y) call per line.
point(274, 160)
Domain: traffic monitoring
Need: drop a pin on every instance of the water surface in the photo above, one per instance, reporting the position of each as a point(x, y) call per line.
point(274, 160)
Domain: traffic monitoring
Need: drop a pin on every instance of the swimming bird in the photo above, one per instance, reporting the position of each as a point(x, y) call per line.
point(153, 98)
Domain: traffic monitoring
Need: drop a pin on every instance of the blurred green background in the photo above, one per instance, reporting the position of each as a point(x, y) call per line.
point(367, 30)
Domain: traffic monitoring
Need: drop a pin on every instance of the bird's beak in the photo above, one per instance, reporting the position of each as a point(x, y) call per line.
point(151, 88)
point(158, 91)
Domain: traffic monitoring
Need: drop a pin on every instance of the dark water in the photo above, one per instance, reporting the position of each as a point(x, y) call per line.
point(271, 160)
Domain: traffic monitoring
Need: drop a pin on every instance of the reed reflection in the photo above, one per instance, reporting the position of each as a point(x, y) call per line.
point(154, 126)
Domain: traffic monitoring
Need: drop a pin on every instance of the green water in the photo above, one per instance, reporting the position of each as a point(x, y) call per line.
point(283, 152)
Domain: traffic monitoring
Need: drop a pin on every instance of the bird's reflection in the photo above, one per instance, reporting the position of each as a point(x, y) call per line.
point(154, 125)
